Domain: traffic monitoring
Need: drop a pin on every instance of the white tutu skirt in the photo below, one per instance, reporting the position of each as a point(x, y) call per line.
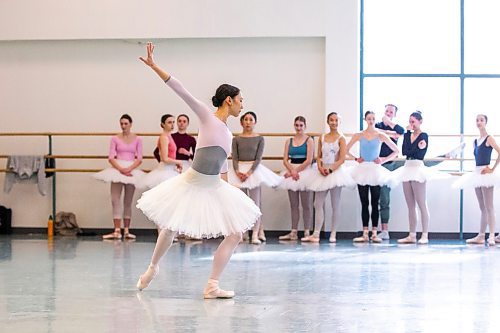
point(415, 170)
point(200, 206)
point(261, 176)
point(476, 179)
point(339, 178)
point(112, 175)
point(369, 173)
point(297, 185)
point(158, 175)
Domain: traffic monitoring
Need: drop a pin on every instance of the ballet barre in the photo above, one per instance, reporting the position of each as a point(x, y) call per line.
point(50, 155)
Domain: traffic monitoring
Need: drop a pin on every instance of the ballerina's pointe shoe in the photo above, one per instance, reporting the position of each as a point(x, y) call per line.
point(128, 235)
point(114, 235)
point(146, 278)
point(361, 239)
point(479, 239)
point(290, 236)
point(491, 241)
point(255, 241)
point(310, 239)
point(212, 291)
point(407, 240)
point(423, 240)
point(333, 237)
point(375, 238)
point(262, 235)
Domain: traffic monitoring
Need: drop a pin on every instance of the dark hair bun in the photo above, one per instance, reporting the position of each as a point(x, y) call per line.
point(126, 116)
point(223, 92)
point(417, 115)
point(215, 102)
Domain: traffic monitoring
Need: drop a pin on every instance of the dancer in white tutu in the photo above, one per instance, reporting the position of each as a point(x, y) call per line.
point(165, 154)
point(297, 158)
point(329, 177)
point(369, 174)
point(125, 155)
point(414, 175)
point(186, 144)
point(248, 173)
point(483, 180)
point(198, 202)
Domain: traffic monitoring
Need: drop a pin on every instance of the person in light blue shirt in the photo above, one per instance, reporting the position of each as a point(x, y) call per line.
point(369, 173)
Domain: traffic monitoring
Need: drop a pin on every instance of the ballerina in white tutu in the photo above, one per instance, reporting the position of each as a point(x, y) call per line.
point(165, 153)
point(369, 173)
point(125, 155)
point(248, 173)
point(198, 202)
point(414, 176)
point(329, 177)
point(483, 180)
point(297, 159)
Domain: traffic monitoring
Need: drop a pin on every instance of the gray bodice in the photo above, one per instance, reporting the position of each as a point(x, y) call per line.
point(209, 160)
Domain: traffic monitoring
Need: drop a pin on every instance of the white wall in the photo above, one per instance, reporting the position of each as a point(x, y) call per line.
point(72, 66)
point(115, 19)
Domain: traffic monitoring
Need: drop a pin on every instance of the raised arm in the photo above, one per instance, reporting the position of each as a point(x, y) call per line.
point(395, 131)
point(201, 110)
point(395, 151)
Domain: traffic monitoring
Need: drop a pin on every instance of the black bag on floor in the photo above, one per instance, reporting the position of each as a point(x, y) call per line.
point(5, 220)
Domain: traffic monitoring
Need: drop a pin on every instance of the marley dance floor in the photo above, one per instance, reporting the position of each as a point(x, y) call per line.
point(87, 285)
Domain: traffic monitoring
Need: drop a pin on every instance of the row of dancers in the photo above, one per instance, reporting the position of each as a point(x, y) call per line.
point(377, 148)
point(376, 173)
point(201, 203)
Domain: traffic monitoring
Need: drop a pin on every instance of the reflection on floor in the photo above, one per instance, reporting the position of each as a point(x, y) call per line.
point(75, 285)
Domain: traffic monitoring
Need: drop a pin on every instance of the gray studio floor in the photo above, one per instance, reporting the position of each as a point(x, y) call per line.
point(87, 285)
